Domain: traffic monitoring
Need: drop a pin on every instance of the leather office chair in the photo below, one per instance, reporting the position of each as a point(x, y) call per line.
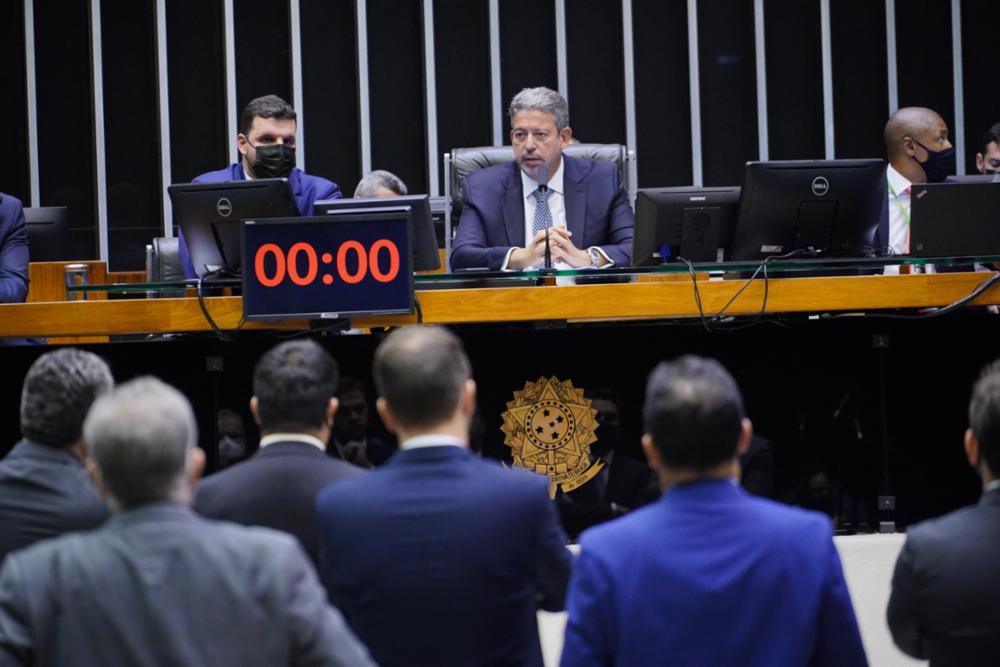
point(461, 162)
point(163, 265)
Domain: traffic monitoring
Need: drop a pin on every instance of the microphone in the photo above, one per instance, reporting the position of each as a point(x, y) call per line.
point(542, 178)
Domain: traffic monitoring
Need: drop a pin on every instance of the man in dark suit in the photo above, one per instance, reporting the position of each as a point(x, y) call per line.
point(44, 489)
point(945, 601)
point(510, 209)
point(439, 557)
point(266, 143)
point(709, 574)
point(156, 584)
point(13, 251)
point(294, 402)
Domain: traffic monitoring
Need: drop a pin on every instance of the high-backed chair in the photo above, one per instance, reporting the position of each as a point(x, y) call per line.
point(163, 265)
point(461, 162)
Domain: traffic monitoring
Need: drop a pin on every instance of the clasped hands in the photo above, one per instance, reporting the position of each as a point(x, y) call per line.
point(560, 247)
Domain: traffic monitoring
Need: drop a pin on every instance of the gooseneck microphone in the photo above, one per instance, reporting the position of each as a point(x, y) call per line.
point(542, 178)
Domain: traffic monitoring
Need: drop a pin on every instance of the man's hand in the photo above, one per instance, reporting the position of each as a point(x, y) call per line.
point(560, 247)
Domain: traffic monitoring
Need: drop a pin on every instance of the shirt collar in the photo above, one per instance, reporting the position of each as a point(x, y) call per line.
point(432, 440)
point(898, 183)
point(292, 437)
point(992, 486)
point(529, 185)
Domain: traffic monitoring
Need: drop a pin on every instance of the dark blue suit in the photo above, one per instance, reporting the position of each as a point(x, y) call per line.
point(307, 190)
point(597, 213)
point(13, 251)
point(440, 558)
point(710, 575)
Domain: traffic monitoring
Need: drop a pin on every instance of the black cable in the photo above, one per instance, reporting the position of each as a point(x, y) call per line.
point(222, 335)
point(937, 312)
point(420, 311)
point(697, 294)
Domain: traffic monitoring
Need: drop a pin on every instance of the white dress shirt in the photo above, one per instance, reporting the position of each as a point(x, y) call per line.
point(292, 437)
point(898, 189)
point(432, 440)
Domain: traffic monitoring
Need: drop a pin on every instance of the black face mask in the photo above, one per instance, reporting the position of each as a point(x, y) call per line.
point(274, 161)
point(939, 165)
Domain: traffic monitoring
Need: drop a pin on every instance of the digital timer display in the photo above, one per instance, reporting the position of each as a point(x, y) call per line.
point(328, 267)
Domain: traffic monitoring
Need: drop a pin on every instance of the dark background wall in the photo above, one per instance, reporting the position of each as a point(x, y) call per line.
point(596, 83)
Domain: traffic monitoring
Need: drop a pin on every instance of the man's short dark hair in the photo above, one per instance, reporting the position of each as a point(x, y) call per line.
point(694, 412)
point(268, 106)
point(57, 393)
point(992, 136)
point(294, 383)
point(420, 372)
point(984, 415)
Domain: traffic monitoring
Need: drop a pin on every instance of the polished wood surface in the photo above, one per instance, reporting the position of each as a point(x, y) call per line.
point(637, 301)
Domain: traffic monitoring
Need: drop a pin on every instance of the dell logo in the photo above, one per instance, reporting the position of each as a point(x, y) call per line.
point(820, 186)
point(224, 207)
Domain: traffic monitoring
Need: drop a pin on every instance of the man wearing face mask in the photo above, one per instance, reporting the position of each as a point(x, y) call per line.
point(266, 142)
point(917, 145)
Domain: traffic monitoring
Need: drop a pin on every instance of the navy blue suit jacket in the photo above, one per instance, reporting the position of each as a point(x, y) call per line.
point(307, 190)
point(597, 212)
point(13, 251)
point(441, 558)
point(710, 575)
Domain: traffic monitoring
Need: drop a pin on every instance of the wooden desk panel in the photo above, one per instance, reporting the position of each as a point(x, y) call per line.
point(639, 301)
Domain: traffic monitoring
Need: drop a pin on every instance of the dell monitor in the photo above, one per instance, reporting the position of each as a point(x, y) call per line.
point(826, 207)
point(425, 247)
point(209, 214)
point(691, 223)
point(48, 236)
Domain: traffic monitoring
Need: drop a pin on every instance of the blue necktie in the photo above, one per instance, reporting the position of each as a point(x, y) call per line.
point(543, 215)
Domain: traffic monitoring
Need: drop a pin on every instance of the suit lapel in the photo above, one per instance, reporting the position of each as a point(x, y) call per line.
point(513, 208)
point(576, 199)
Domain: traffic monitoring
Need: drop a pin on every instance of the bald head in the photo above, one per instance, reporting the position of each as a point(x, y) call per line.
point(913, 123)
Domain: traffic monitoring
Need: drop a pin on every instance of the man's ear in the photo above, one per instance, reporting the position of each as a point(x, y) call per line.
point(195, 465)
point(467, 402)
point(95, 478)
point(746, 436)
point(979, 162)
point(653, 455)
point(241, 143)
point(909, 146)
point(386, 414)
point(254, 406)
point(972, 448)
point(565, 135)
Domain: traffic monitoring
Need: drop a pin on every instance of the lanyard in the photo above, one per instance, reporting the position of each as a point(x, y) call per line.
point(902, 209)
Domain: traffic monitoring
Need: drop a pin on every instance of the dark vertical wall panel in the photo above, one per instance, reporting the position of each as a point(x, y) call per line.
point(662, 91)
point(396, 85)
point(923, 47)
point(596, 70)
point(65, 116)
point(527, 50)
point(330, 91)
point(860, 79)
point(14, 176)
point(792, 39)
point(979, 71)
point(462, 66)
point(131, 130)
point(728, 89)
point(263, 50)
point(196, 74)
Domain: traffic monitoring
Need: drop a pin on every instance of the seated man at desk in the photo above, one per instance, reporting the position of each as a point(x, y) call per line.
point(266, 142)
point(510, 209)
point(13, 251)
point(988, 157)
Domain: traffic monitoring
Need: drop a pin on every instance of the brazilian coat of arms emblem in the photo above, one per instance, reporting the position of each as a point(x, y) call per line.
point(549, 427)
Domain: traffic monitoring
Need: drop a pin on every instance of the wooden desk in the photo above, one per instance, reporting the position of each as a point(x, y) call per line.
point(588, 303)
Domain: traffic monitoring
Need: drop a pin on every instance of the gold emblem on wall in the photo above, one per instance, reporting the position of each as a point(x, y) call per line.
point(549, 427)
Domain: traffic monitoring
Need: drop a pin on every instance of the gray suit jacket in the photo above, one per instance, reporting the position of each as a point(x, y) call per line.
point(945, 602)
point(158, 585)
point(44, 492)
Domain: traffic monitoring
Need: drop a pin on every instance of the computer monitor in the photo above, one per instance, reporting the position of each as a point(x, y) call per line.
point(209, 214)
point(425, 247)
point(830, 207)
point(48, 237)
point(693, 223)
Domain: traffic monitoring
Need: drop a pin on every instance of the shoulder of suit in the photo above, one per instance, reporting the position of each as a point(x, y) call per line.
point(946, 529)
